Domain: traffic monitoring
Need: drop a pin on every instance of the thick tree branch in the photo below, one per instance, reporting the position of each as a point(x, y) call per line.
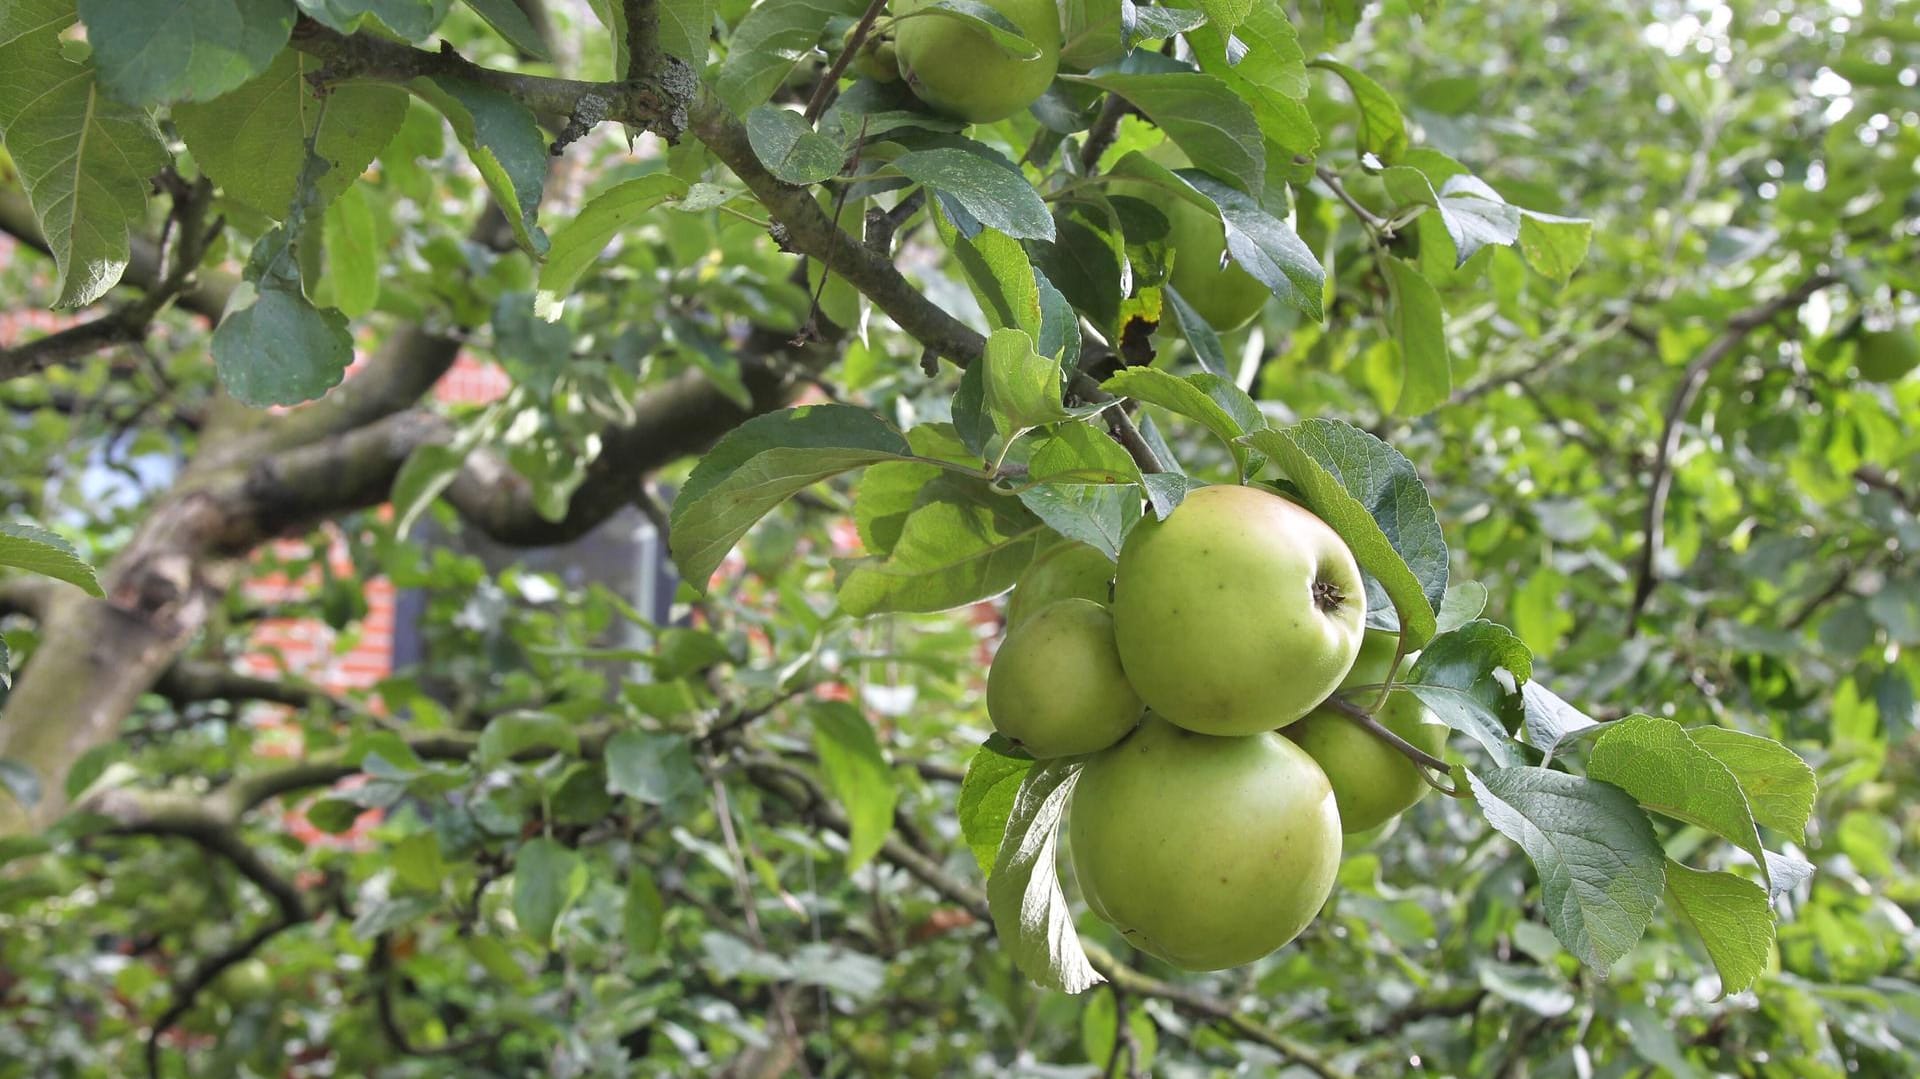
point(1692, 381)
point(27, 596)
point(188, 682)
point(655, 100)
point(68, 345)
point(203, 821)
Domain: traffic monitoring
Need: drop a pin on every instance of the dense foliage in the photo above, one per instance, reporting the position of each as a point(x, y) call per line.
point(1587, 328)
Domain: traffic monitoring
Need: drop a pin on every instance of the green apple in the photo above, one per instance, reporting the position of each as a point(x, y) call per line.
point(957, 68)
point(1056, 688)
point(1068, 571)
point(1372, 781)
point(1886, 355)
point(1237, 614)
point(247, 981)
point(1227, 296)
point(1207, 852)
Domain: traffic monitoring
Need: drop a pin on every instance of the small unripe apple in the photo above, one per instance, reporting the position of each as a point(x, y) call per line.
point(1237, 614)
point(1207, 852)
point(1056, 688)
point(1886, 355)
point(1372, 781)
point(958, 69)
point(1067, 571)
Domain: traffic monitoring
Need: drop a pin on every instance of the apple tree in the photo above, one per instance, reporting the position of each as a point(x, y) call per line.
point(1573, 340)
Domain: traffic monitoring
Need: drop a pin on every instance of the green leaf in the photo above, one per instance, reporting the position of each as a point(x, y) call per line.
point(762, 463)
point(1023, 387)
point(997, 271)
point(511, 23)
point(391, 914)
point(1733, 918)
point(276, 348)
point(413, 20)
point(1550, 721)
point(791, 149)
point(1093, 32)
point(547, 878)
point(21, 781)
point(505, 143)
point(646, 912)
point(1030, 913)
point(1202, 115)
point(857, 775)
point(1265, 246)
point(651, 767)
point(1200, 336)
point(1369, 493)
point(685, 26)
point(889, 490)
point(1100, 1031)
point(37, 550)
point(334, 816)
point(1655, 761)
point(84, 159)
point(151, 52)
point(999, 197)
point(354, 253)
point(1097, 514)
point(1600, 865)
point(1382, 131)
point(1464, 602)
point(1456, 677)
point(512, 733)
point(1779, 786)
point(962, 542)
point(1473, 214)
point(1271, 76)
point(576, 245)
point(986, 800)
point(253, 141)
point(1215, 403)
point(769, 42)
point(1426, 374)
point(1554, 246)
point(1226, 14)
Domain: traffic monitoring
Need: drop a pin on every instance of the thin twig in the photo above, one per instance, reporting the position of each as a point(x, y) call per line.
point(823, 90)
point(1692, 381)
point(1374, 727)
point(1373, 221)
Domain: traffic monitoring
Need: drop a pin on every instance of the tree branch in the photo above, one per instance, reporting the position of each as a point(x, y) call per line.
point(73, 343)
point(203, 976)
point(1400, 745)
point(1692, 381)
point(856, 39)
point(203, 821)
point(206, 296)
point(655, 100)
point(187, 682)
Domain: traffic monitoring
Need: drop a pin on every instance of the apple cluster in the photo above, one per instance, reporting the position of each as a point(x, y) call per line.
point(1197, 679)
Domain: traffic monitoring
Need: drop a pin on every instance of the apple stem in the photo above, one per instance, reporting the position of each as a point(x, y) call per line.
point(1406, 749)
